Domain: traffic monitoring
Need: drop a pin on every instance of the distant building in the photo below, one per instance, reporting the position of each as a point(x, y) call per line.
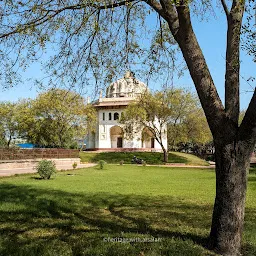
point(110, 135)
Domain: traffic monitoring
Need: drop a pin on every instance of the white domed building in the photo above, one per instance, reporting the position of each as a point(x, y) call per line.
point(110, 135)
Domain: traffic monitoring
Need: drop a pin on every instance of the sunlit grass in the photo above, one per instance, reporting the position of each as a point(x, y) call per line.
point(191, 159)
point(74, 214)
point(149, 157)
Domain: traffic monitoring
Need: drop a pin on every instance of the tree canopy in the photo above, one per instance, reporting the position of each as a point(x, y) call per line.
point(85, 39)
point(56, 118)
point(151, 112)
point(175, 112)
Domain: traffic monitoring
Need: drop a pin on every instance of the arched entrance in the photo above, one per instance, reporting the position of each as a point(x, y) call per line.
point(147, 139)
point(116, 135)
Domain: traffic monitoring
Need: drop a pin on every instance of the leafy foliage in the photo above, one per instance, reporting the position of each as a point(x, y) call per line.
point(90, 39)
point(191, 128)
point(56, 118)
point(59, 117)
point(102, 164)
point(11, 120)
point(151, 112)
point(74, 165)
point(46, 168)
point(178, 109)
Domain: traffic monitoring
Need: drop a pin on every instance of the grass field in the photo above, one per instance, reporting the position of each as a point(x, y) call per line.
point(78, 212)
point(149, 157)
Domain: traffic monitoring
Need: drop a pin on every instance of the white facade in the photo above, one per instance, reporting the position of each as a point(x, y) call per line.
point(110, 133)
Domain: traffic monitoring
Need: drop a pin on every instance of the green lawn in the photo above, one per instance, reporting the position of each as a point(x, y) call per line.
point(75, 211)
point(149, 157)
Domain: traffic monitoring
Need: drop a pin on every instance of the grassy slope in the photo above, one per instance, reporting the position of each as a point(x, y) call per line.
point(150, 158)
point(71, 214)
point(191, 159)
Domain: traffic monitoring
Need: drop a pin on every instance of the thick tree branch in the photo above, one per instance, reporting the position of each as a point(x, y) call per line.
point(167, 11)
point(247, 129)
point(198, 69)
point(156, 6)
point(233, 62)
point(172, 16)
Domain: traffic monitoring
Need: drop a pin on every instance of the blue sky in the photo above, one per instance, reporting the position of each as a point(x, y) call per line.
point(212, 39)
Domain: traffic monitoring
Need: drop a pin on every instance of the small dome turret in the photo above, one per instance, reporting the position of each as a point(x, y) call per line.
point(128, 86)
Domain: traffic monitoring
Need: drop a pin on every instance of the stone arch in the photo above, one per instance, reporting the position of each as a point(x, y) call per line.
point(116, 136)
point(147, 138)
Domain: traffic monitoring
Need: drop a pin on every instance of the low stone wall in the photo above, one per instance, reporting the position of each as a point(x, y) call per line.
point(24, 154)
point(28, 163)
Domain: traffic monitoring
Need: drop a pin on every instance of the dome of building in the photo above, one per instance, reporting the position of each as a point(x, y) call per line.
point(128, 86)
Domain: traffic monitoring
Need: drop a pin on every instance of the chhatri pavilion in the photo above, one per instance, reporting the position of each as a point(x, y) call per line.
point(110, 134)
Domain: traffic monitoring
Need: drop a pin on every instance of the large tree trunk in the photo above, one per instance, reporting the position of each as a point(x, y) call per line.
point(228, 213)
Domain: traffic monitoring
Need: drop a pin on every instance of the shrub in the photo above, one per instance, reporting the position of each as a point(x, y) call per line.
point(74, 165)
point(46, 168)
point(101, 164)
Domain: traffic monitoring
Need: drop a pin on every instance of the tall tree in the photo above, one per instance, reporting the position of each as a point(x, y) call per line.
point(174, 110)
point(57, 118)
point(93, 29)
point(150, 113)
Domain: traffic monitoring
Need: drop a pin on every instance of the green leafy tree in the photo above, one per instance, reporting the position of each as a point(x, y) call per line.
point(91, 118)
point(9, 121)
point(192, 128)
point(102, 37)
point(57, 117)
point(154, 111)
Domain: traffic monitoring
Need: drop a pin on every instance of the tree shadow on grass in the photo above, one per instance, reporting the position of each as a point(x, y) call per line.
point(50, 222)
point(252, 178)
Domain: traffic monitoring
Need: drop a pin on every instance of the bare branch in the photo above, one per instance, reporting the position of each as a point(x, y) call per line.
point(224, 5)
point(50, 14)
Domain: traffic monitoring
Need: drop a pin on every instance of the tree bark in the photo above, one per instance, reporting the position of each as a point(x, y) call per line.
point(9, 141)
point(165, 155)
point(231, 185)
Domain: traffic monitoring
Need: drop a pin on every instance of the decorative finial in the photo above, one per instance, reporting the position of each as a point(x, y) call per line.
point(129, 74)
